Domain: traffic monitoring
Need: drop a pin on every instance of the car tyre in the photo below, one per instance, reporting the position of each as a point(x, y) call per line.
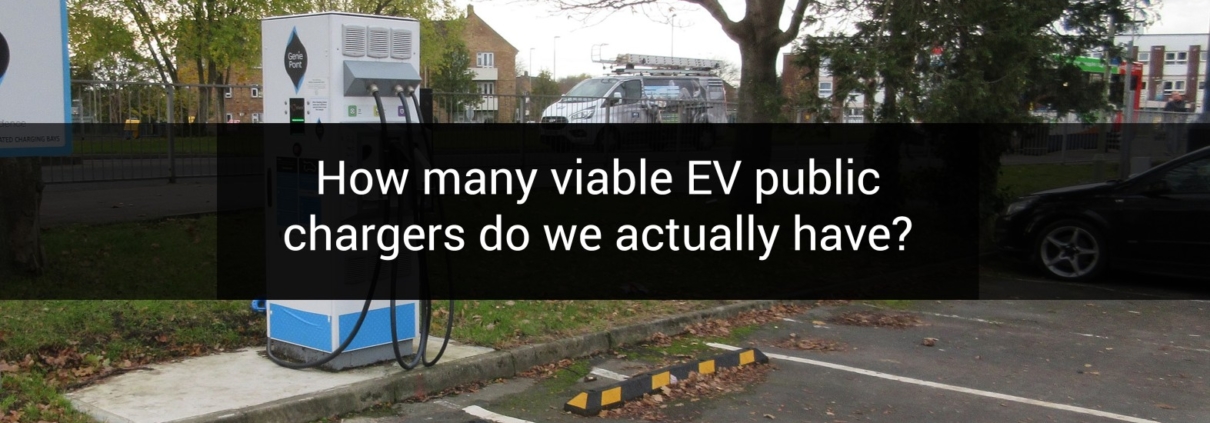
point(1070, 250)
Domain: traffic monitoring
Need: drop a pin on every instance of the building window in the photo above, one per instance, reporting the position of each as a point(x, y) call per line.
point(1176, 57)
point(256, 118)
point(1174, 86)
point(230, 118)
point(1201, 85)
point(255, 92)
point(227, 93)
point(1202, 57)
point(487, 88)
point(824, 65)
point(825, 89)
point(485, 60)
point(1144, 57)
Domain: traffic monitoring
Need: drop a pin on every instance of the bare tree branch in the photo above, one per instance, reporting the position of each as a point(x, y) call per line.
point(720, 15)
point(795, 23)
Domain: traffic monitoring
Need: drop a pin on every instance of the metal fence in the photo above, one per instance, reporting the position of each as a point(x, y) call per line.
point(139, 130)
point(510, 108)
point(1104, 151)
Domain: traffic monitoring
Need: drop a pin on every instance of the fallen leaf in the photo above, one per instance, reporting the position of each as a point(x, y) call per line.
point(928, 342)
point(769, 416)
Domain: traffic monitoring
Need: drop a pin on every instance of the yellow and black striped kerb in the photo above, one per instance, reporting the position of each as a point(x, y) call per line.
point(591, 402)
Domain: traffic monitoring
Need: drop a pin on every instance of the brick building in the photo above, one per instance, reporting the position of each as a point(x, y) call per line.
point(494, 62)
point(242, 102)
point(1172, 63)
point(799, 81)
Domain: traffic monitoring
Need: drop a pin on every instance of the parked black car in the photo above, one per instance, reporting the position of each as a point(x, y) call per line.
point(1157, 221)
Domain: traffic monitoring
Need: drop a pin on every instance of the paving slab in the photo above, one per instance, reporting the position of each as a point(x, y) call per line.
point(231, 381)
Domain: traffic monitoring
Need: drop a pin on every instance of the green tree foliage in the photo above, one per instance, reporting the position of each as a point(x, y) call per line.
point(454, 80)
point(544, 91)
point(996, 59)
point(566, 83)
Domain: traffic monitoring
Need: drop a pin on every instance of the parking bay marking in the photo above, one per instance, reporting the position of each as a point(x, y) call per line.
point(482, 413)
point(608, 374)
point(947, 387)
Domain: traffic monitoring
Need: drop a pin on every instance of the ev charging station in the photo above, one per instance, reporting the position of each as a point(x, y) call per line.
point(35, 79)
point(325, 79)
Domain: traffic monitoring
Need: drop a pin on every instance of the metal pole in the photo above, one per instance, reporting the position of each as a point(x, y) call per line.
point(671, 35)
point(171, 136)
point(1124, 150)
point(1206, 90)
point(1108, 67)
point(524, 128)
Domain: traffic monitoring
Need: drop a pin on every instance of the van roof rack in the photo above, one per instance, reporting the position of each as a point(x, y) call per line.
point(643, 64)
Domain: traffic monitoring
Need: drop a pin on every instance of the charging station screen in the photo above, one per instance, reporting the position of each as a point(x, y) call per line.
point(298, 115)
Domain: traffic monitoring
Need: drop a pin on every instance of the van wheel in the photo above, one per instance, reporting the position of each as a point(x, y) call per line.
point(608, 140)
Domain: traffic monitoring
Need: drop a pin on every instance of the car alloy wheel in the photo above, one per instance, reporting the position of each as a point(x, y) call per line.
point(1071, 250)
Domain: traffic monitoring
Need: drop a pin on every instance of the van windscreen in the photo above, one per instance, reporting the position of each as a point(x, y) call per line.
point(588, 90)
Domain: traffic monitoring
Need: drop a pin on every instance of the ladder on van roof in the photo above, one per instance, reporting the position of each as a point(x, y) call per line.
point(662, 65)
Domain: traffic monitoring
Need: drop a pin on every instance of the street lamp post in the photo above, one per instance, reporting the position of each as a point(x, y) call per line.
point(671, 35)
point(554, 67)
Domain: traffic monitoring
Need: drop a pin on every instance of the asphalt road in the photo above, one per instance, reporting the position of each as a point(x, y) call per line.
point(993, 361)
point(1003, 278)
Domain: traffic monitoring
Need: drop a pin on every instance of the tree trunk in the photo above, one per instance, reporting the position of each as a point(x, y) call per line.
point(759, 94)
point(759, 103)
point(20, 226)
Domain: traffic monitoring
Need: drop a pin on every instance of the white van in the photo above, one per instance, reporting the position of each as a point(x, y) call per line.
point(607, 103)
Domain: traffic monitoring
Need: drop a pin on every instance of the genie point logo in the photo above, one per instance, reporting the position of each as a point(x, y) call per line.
point(296, 60)
point(3, 57)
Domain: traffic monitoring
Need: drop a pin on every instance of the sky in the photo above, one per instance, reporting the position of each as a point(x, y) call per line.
point(693, 33)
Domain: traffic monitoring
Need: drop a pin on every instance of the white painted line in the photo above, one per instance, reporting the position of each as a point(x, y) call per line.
point(789, 319)
point(448, 404)
point(608, 374)
point(479, 412)
point(1091, 335)
point(954, 316)
point(947, 387)
point(1188, 348)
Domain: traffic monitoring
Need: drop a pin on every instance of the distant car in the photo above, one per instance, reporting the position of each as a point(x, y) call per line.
point(1157, 221)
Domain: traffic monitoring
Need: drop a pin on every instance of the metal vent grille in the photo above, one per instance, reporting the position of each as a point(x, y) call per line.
point(380, 42)
point(354, 41)
point(401, 44)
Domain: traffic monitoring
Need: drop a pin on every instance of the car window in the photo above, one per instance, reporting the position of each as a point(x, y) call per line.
point(1190, 178)
point(631, 91)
